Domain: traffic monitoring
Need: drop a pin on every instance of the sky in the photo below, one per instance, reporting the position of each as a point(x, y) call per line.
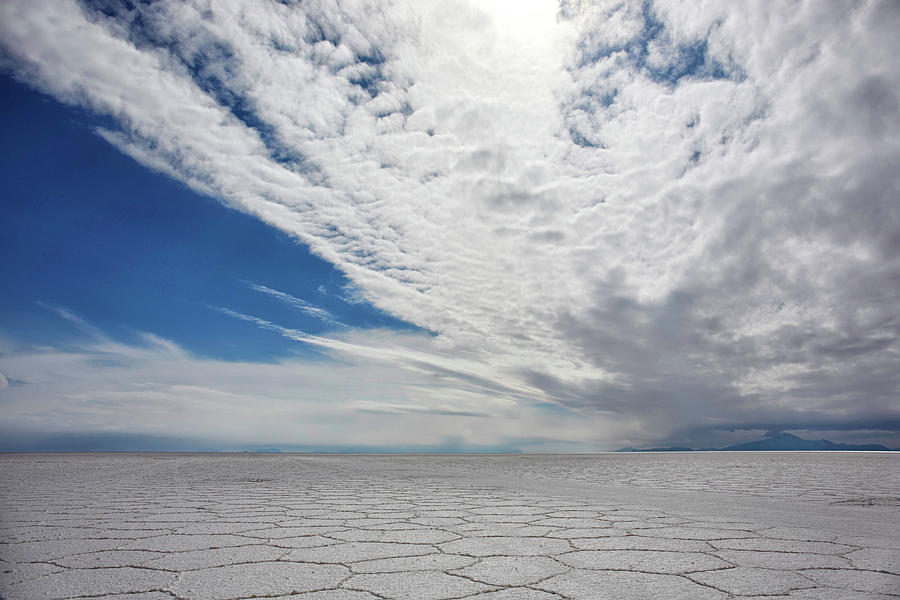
point(441, 225)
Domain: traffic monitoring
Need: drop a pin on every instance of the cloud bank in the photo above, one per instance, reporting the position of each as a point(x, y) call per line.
point(669, 221)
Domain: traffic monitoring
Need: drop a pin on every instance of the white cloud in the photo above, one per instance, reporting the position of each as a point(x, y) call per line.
point(596, 205)
point(79, 323)
point(364, 397)
point(298, 303)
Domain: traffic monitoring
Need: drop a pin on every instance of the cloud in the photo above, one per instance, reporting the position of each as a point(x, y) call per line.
point(360, 399)
point(79, 323)
point(301, 305)
point(415, 352)
point(676, 217)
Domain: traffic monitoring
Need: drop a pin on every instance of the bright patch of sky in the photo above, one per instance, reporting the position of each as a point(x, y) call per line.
point(497, 225)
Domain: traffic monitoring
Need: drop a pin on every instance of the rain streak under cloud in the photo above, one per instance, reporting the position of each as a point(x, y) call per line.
point(609, 223)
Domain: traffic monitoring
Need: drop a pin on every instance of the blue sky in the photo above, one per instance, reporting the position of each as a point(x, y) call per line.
point(448, 225)
point(128, 250)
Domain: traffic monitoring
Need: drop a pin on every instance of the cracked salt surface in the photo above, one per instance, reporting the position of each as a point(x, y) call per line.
point(327, 527)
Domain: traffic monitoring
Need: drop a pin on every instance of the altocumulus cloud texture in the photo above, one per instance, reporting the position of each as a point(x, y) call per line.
point(619, 222)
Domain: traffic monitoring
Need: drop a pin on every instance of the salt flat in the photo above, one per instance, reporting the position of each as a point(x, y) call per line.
point(334, 527)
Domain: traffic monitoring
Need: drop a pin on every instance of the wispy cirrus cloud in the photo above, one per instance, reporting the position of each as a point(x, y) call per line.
point(376, 383)
point(682, 217)
point(75, 320)
point(298, 303)
point(413, 352)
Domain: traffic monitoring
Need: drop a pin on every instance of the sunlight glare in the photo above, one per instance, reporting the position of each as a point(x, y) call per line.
point(523, 20)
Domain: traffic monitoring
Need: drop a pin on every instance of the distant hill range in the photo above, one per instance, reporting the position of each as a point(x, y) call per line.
point(782, 441)
point(669, 449)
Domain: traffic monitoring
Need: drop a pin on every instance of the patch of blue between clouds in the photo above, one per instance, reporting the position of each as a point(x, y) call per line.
point(128, 250)
point(690, 59)
point(215, 67)
point(580, 140)
point(368, 80)
point(210, 62)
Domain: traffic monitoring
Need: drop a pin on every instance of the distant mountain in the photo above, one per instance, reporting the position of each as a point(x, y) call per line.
point(669, 449)
point(782, 441)
point(786, 441)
